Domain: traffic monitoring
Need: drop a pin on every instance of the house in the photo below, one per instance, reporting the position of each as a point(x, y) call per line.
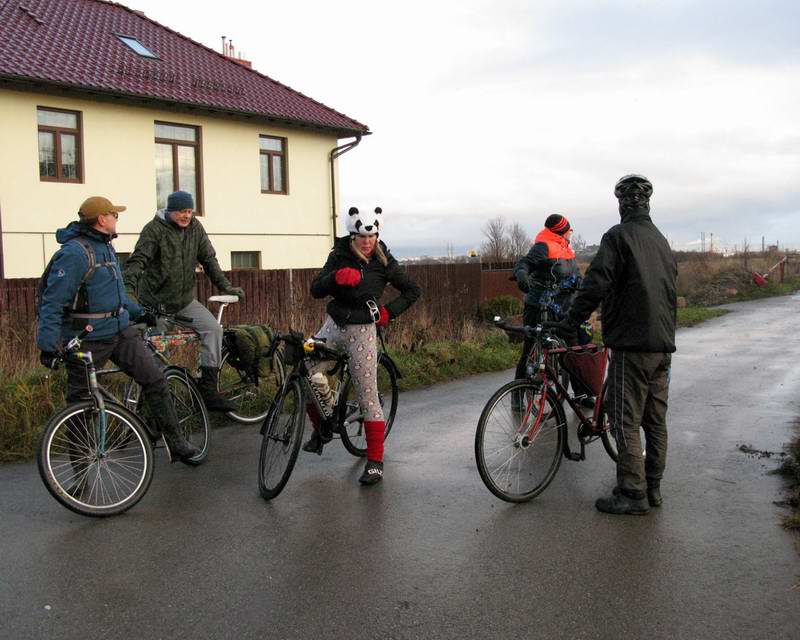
point(98, 99)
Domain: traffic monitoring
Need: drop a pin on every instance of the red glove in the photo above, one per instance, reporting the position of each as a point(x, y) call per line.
point(384, 319)
point(348, 277)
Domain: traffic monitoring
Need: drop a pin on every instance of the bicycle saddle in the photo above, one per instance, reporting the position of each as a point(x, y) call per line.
point(224, 299)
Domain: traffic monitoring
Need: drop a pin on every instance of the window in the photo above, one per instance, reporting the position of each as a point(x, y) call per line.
point(178, 162)
point(137, 46)
point(272, 155)
point(245, 259)
point(60, 145)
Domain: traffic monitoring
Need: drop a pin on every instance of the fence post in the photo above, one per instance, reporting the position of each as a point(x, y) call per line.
point(291, 299)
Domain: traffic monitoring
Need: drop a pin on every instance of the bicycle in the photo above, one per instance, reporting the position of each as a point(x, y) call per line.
point(251, 393)
point(283, 428)
point(521, 435)
point(96, 456)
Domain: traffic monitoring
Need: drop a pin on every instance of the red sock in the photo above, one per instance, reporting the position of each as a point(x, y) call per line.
point(374, 431)
point(313, 414)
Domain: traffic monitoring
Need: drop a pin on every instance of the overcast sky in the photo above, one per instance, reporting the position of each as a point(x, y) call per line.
point(521, 109)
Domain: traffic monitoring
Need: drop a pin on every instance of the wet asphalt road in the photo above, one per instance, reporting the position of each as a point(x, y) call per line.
point(431, 553)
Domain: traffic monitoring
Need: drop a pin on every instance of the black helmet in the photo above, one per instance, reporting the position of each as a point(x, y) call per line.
point(626, 183)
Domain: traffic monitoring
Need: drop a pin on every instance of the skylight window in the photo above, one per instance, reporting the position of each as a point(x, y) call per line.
point(137, 46)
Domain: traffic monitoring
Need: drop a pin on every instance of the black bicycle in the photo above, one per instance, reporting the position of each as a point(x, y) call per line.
point(283, 428)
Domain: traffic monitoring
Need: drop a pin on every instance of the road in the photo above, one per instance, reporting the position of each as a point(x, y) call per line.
point(431, 553)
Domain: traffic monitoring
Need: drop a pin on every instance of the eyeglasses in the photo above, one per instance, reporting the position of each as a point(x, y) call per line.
point(373, 310)
point(112, 213)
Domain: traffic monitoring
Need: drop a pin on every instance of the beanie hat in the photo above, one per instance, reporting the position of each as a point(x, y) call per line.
point(557, 224)
point(179, 201)
point(366, 223)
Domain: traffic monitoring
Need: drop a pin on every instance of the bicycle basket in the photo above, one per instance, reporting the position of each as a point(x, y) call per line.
point(588, 369)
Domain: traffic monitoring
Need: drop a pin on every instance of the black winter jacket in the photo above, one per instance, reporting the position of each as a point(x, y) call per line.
point(349, 304)
point(634, 276)
point(544, 268)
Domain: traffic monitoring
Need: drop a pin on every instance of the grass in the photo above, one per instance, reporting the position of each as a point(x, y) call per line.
point(691, 316)
point(790, 469)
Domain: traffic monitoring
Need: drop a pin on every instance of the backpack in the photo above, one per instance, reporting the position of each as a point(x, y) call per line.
point(81, 301)
point(251, 344)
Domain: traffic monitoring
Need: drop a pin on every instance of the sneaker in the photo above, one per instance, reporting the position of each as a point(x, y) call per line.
point(620, 504)
point(373, 473)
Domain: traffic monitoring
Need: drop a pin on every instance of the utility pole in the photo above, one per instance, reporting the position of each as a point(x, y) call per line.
point(702, 241)
point(711, 244)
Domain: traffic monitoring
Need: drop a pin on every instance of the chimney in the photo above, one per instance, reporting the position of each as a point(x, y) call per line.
point(229, 51)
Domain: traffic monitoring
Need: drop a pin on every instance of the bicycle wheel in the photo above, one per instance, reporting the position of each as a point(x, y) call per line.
point(192, 413)
point(281, 442)
point(350, 420)
point(514, 464)
point(252, 400)
point(81, 476)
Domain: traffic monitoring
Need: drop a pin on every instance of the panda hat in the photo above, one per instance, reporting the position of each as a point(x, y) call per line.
point(364, 224)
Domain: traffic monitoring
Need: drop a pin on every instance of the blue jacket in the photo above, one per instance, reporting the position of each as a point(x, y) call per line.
point(105, 290)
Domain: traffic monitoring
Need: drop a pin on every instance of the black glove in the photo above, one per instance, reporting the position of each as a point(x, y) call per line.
point(564, 329)
point(149, 318)
point(522, 281)
point(235, 291)
point(49, 359)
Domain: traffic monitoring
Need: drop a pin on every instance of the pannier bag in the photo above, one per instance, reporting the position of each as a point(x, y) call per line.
point(251, 345)
point(587, 369)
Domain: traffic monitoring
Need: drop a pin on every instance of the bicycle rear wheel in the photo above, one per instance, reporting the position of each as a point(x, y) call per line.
point(350, 420)
point(283, 432)
point(86, 479)
point(192, 413)
point(517, 460)
point(252, 400)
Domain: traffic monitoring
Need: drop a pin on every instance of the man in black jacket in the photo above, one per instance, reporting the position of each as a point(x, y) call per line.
point(634, 276)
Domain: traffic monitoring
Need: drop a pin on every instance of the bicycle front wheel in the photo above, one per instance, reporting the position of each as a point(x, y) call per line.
point(350, 420)
point(519, 440)
point(191, 410)
point(281, 442)
point(252, 400)
point(91, 477)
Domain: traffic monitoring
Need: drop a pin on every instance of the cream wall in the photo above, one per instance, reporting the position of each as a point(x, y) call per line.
point(291, 230)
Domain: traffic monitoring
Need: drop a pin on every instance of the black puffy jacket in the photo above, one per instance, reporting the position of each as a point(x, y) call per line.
point(634, 276)
point(349, 304)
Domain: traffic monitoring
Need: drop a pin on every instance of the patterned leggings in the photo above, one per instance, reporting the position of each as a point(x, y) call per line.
point(360, 343)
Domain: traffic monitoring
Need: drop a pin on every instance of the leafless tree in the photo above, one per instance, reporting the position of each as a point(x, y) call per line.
point(495, 248)
point(518, 241)
point(577, 242)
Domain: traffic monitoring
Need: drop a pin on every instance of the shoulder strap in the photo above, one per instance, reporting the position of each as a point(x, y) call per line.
point(83, 243)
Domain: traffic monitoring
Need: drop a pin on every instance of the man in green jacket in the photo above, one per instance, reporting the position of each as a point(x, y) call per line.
point(161, 274)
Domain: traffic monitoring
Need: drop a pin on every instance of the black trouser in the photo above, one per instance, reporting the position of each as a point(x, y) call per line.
point(128, 351)
point(636, 396)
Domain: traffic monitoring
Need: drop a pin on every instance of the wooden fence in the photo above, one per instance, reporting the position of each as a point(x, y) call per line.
point(282, 298)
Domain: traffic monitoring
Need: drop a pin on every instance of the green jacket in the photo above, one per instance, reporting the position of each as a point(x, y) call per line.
point(161, 269)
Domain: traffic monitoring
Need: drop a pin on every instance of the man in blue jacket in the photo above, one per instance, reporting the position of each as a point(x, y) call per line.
point(84, 287)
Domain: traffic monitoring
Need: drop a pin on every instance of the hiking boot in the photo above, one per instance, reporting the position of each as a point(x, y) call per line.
point(314, 443)
point(180, 449)
point(373, 472)
point(209, 389)
point(654, 498)
point(620, 504)
point(654, 493)
point(161, 410)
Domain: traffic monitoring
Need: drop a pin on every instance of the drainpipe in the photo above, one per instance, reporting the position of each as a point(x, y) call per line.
point(335, 153)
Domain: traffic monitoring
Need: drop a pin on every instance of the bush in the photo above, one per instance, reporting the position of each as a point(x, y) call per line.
point(502, 306)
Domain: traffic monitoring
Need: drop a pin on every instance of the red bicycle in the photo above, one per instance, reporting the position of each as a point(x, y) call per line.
point(522, 432)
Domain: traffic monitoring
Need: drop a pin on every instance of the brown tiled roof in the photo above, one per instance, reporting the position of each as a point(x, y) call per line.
point(74, 44)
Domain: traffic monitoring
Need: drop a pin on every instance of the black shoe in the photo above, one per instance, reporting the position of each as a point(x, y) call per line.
point(180, 449)
point(619, 504)
point(654, 498)
point(314, 444)
point(373, 473)
point(209, 390)
point(325, 430)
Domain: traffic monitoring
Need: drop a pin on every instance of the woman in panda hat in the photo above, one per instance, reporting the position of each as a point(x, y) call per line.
point(357, 271)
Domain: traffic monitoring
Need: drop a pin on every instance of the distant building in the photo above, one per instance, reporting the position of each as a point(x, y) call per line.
point(97, 99)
